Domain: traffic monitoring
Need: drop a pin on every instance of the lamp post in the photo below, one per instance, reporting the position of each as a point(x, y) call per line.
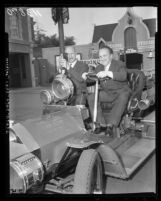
point(61, 32)
point(60, 16)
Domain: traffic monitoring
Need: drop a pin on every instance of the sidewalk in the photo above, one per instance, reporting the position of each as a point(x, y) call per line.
point(29, 89)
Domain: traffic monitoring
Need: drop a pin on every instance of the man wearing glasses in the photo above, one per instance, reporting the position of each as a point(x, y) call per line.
point(76, 71)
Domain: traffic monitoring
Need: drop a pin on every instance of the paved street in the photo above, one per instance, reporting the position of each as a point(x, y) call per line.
point(26, 104)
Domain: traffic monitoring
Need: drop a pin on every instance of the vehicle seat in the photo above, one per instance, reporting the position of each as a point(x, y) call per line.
point(136, 81)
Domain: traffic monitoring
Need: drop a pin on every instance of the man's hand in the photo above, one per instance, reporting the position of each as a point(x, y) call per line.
point(103, 74)
point(84, 75)
point(62, 75)
point(62, 62)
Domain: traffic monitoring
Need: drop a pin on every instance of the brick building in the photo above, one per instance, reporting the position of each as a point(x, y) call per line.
point(19, 26)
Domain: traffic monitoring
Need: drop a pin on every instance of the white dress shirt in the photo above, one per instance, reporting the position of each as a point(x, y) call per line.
point(107, 67)
point(71, 65)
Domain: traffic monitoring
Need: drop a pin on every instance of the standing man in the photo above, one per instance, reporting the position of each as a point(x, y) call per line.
point(115, 90)
point(76, 71)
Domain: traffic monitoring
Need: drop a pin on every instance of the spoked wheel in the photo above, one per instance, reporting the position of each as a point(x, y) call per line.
point(88, 175)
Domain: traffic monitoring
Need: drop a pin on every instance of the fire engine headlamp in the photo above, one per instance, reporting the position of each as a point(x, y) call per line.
point(46, 96)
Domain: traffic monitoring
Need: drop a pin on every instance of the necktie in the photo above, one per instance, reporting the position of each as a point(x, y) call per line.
point(70, 65)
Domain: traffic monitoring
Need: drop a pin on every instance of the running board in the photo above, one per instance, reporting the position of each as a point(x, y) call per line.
point(137, 154)
point(123, 164)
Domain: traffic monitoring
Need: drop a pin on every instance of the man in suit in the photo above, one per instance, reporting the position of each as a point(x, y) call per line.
point(76, 71)
point(115, 90)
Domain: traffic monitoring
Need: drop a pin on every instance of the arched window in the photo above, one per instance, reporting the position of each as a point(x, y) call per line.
point(130, 38)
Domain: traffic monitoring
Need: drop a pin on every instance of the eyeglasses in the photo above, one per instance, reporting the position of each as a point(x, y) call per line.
point(68, 54)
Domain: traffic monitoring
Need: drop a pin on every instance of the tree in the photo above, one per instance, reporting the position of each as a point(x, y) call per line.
point(42, 40)
point(54, 40)
point(69, 40)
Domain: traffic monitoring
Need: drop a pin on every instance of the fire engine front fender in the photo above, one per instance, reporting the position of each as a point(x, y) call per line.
point(84, 141)
point(112, 163)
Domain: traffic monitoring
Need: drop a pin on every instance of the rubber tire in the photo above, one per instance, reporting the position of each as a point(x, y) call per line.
point(84, 172)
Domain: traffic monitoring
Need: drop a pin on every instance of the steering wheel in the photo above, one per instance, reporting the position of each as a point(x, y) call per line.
point(94, 77)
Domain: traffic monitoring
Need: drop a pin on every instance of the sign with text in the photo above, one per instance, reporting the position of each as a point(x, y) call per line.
point(91, 62)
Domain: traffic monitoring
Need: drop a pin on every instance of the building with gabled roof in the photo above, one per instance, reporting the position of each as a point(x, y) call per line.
point(132, 40)
point(105, 31)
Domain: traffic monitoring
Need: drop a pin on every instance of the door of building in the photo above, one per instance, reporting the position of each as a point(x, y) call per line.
point(41, 72)
point(14, 71)
point(44, 72)
point(37, 72)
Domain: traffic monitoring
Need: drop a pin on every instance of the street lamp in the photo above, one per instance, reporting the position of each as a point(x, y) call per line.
point(60, 15)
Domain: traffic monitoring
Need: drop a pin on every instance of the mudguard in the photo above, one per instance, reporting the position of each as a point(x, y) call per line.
point(113, 166)
point(84, 141)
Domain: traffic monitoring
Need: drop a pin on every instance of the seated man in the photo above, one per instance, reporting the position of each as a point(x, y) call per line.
point(115, 90)
point(76, 71)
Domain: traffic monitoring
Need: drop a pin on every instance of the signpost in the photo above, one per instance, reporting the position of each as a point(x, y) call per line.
point(60, 16)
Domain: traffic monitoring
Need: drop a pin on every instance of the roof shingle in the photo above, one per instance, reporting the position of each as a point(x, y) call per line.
point(151, 24)
point(103, 31)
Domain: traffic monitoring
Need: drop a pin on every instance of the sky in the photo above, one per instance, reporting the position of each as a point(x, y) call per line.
point(81, 20)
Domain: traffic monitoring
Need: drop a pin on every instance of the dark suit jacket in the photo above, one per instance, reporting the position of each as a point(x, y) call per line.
point(119, 80)
point(75, 74)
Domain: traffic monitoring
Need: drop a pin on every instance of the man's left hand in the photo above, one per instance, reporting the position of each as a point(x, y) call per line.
point(103, 74)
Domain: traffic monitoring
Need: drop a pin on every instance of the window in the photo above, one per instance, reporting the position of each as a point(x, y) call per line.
point(130, 38)
point(15, 27)
point(101, 44)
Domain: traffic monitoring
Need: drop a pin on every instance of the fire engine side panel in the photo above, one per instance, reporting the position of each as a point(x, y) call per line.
point(49, 134)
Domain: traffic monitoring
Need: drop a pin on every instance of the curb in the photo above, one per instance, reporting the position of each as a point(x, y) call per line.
point(28, 90)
